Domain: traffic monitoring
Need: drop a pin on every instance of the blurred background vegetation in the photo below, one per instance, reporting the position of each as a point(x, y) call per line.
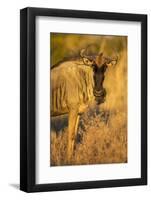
point(102, 134)
point(69, 45)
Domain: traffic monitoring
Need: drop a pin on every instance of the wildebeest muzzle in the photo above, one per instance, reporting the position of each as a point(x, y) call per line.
point(100, 96)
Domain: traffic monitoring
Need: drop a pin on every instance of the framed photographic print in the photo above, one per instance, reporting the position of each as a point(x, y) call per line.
point(83, 99)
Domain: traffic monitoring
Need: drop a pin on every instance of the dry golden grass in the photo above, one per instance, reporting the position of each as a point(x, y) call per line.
point(102, 138)
point(102, 132)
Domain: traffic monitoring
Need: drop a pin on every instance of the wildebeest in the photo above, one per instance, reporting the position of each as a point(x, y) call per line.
point(75, 83)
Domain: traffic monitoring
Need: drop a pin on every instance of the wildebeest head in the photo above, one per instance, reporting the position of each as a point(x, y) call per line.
point(99, 63)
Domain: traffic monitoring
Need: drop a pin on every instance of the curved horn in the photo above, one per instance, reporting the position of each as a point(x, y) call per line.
point(82, 53)
point(115, 58)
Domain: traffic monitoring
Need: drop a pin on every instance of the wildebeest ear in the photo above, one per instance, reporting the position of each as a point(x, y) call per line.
point(112, 63)
point(99, 59)
point(87, 62)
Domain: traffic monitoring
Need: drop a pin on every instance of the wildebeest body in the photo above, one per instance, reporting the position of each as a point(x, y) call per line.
point(75, 84)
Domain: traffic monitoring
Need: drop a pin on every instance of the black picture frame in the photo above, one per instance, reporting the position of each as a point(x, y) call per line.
point(28, 99)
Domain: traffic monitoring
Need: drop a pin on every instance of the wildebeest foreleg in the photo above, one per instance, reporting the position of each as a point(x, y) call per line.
point(75, 131)
point(72, 128)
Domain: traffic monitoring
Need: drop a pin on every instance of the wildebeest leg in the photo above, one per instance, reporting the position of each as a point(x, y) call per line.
point(72, 123)
point(75, 134)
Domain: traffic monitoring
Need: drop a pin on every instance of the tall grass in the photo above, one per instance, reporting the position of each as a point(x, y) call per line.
point(102, 132)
